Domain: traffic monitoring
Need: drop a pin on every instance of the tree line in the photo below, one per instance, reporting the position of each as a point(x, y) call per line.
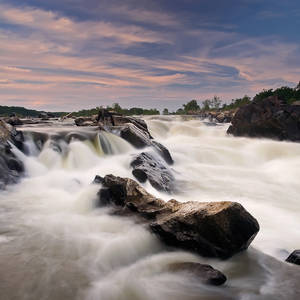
point(285, 93)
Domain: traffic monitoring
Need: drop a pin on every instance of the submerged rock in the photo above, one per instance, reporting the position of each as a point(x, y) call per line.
point(205, 273)
point(213, 229)
point(294, 257)
point(11, 168)
point(268, 118)
point(147, 166)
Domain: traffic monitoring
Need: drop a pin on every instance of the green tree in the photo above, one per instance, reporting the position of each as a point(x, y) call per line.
point(215, 102)
point(191, 106)
point(206, 104)
point(264, 94)
point(117, 108)
point(165, 111)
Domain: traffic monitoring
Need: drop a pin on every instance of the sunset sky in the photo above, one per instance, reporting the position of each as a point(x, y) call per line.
point(65, 55)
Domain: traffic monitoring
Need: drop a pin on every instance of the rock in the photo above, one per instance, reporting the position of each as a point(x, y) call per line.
point(43, 116)
point(205, 273)
point(86, 121)
point(163, 152)
point(11, 168)
point(147, 166)
point(135, 136)
point(294, 258)
point(14, 121)
point(212, 229)
point(268, 118)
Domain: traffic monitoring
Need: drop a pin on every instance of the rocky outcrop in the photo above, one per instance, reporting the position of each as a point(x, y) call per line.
point(213, 229)
point(11, 168)
point(147, 166)
point(294, 257)
point(205, 273)
point(133, 130)
point(268, 118)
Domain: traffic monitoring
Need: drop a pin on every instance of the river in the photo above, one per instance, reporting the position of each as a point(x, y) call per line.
point(56, 244)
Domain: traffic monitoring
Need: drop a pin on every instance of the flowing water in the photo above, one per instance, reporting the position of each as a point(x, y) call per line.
point(55, 244)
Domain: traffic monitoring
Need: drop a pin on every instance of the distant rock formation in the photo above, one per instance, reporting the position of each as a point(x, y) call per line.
point(268, 118)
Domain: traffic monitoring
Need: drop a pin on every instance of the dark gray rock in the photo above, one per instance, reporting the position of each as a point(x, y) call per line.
point(213, 229)
point(147, 166)
point(135, 136)
point(268, 118)
point(205, 273)
point(11, 168)
point(294, 257)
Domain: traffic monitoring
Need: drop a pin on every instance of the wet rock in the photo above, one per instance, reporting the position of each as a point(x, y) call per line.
point(268, 118)
point(213, 229)
point(14, 121)
point(147, 166)
point(205, 273)
point(294, 257)
point(135, 136)
point(11, 168)
point(86, 121)
point(163, 152)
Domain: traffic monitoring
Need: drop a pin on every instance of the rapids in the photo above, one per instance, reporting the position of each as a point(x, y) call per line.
point(55, 245)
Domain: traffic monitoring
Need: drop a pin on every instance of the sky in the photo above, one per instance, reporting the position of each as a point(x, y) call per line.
point(66, 55)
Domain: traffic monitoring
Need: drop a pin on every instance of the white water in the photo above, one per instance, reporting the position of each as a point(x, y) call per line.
point(55, 245)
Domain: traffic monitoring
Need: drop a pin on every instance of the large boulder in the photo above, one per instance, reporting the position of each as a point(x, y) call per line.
point(205, 273)
point(213, 229)
point(268, 118)
point(11, 168)
point(148, 166)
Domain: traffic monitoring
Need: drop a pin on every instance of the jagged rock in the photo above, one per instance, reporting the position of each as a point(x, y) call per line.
point(147, 166)
point(294, 257)
point(213, 229)
point(268, 118)
point(205, 273)
point(11, 168)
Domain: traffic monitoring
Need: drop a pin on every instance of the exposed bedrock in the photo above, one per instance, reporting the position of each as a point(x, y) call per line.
point(268, 118)
point(11, 168)
point(212, 229)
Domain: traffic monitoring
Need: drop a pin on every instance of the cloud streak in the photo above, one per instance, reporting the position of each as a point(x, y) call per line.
point(136, 57)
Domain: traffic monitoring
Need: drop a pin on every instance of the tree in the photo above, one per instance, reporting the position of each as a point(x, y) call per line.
point(165, 111)
point(264, 94)
point(215, 102)
point(191, 106)
point(117, 108)
point(179, 111)
point(206, 104)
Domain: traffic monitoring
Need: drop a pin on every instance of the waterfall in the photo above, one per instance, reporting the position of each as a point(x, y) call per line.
point(55, 243)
